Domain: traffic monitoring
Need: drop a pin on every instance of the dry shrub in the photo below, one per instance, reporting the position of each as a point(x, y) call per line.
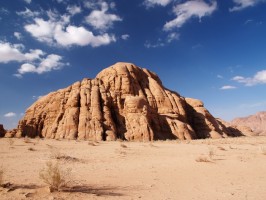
point(203, 159)
point(10, 141)
point(211, 153)
point(27, 140)
point(123, 145)
point(55, 176)
point(221, 148)
point(91, 143)
point(263, 150)
point(31, 149)
point(1, 176)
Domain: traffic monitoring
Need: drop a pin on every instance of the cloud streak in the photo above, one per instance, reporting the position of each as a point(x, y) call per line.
point(258, 78)
point(242, 4)
point(227, 87)
point(10, 114)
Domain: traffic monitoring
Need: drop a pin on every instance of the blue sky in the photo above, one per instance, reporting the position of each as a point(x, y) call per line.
point(213, 50)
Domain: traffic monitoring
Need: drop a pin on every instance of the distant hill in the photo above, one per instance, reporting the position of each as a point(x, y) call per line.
point(256, 122)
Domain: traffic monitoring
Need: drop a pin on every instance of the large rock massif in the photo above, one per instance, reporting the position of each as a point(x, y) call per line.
point(123, 101)
point(256, 122)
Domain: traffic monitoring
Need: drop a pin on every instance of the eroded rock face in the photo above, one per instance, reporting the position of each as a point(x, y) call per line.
point(2, 131)
point(123, 101)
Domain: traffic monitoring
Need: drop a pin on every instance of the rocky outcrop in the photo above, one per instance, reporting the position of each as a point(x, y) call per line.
point(2, 131)
point(256, 122)
point(123, 101)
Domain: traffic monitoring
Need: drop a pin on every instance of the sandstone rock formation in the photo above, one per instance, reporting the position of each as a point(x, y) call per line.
point(123, 101)
point(256, 122)
point(2, 131)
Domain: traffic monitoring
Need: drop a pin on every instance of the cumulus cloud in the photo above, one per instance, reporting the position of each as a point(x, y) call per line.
point(189, 9)
point(51, 62)
point(258, 78)
point(73, 10)
point(101, 19)
point(10, 114)
point(58, 31)
point(241, 4)
point(227, 87)
point(13, 52)
point(152, 3)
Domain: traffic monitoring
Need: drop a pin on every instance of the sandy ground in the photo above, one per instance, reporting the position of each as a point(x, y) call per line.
point(224, 169)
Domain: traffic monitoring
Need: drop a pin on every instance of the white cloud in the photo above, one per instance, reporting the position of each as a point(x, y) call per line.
point(189, 9)
point(80, 36)
point(51, 62)
point(227, 87)
point(42, 30)
point(258, 78)
point(152, 3)
point(18, 35)
point(58, 31)
point(73, 10)
point(241, 4)
point(28, 13)
point(125, 37)
point(10, 114)
point(220, 76)
point(100, 19)
point(28, 1)
point(13, 52)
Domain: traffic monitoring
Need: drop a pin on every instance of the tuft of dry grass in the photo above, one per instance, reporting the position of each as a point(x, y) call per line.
point(203, 159)
point(27, 140)
point(55, 176)
point(221, 148)
point(263, 150)
point(211, 153)
point(1, 176)
point(91, 143)
point(31, 149)
point(123, 145)
point(10, 142)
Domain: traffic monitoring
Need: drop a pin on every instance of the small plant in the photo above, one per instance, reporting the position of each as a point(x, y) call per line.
point(27, 140)
point(263, 150)
point(91, 143)
point(55, 176)
point(10, 142)
point(31, 149)
point(123, 145)
point(203, 159)
point(1, 176)
point(221, 148)
point(211, 153)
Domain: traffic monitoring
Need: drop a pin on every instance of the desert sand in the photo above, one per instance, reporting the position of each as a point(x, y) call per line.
point(222, 169)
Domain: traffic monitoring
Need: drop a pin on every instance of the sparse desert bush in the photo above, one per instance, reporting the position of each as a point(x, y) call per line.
point(211, 153)
point(203, 159)
point(1, 176)
point(27, 140)
point(221, 148)
point(55, 176)
point(91, 143)
point(123, 145)
point(31, 149)
point(263, 150)
point(10, 142)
